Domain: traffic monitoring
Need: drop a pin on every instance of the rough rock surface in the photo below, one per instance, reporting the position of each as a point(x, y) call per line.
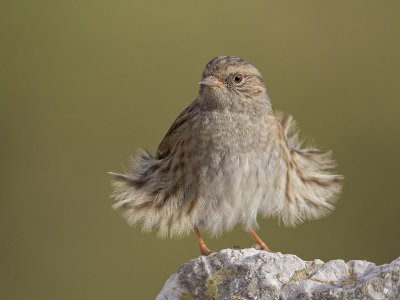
point(255, 274)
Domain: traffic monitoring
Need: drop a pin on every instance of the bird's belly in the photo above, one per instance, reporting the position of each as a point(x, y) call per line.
point(232, 189)
point(236, 172)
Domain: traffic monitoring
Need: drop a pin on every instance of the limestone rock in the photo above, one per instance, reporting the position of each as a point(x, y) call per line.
point(255, 274)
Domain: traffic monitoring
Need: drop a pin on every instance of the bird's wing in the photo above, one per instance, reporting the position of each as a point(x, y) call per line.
point(310, 188)
point(170, 139)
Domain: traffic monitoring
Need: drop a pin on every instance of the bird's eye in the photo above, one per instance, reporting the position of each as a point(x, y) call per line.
point(238, 78)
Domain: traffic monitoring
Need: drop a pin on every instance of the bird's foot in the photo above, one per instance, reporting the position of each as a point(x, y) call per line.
point(259, 241)
point(262, 247)
point(205, 251)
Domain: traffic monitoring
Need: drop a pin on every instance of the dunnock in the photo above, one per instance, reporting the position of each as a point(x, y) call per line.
point(225, 159)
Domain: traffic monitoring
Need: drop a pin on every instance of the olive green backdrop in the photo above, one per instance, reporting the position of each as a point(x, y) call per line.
point(83, 84)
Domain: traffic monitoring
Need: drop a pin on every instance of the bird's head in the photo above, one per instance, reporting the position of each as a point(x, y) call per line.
point(231, 79)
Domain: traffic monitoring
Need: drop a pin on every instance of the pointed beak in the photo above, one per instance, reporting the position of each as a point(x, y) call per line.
point(211, 81)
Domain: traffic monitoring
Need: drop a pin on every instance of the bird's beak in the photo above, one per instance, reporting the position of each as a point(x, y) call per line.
point(211, 81)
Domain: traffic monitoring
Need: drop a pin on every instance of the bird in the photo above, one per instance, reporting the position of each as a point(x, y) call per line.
point(227, 158)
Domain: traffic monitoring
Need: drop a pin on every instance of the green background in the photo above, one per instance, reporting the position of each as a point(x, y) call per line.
point(83, 84)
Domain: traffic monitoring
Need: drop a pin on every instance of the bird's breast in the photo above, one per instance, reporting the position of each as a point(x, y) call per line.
point(234, 133)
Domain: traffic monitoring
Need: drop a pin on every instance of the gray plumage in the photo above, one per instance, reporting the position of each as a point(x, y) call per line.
point(226, 159)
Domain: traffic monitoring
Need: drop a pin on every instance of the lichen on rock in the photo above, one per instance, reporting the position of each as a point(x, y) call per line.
point(255, 274)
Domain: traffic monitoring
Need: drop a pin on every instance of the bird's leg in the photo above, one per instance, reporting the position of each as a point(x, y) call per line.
point(203, 248)
point(258, 240)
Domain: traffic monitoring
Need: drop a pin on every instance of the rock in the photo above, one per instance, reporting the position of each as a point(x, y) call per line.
point(255, 274)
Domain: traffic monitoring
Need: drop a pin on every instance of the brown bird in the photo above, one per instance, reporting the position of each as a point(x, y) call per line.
point(225, 159)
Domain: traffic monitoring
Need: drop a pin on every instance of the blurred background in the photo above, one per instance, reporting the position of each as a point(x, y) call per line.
point(83, 84)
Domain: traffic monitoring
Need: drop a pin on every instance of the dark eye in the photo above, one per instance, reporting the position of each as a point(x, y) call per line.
point(238, 78)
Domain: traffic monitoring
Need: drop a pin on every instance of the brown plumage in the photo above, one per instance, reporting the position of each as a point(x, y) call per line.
point(225, 159)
